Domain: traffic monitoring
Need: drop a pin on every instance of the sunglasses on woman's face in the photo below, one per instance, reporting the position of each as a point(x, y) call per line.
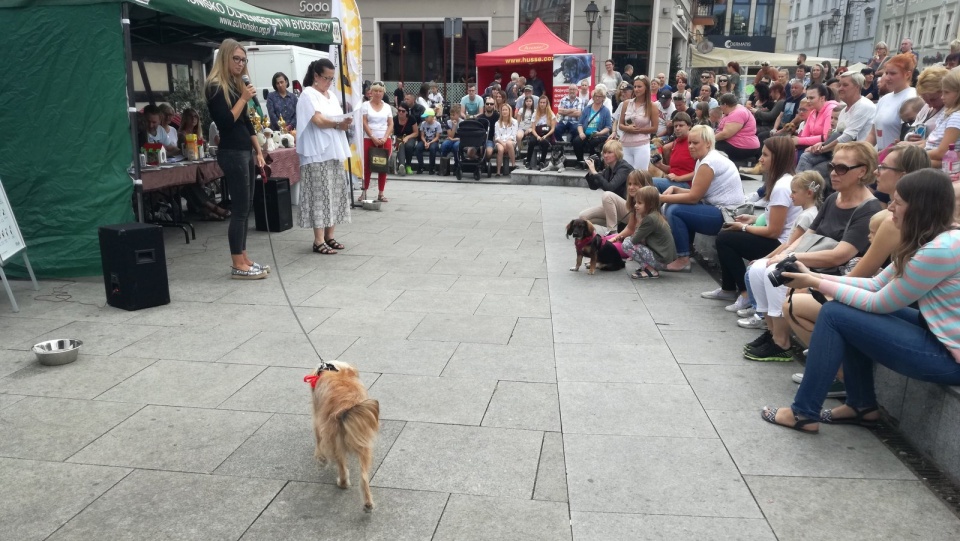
point(842, 169)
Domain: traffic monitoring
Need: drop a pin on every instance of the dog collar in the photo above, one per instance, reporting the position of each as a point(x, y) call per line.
point(312, 379)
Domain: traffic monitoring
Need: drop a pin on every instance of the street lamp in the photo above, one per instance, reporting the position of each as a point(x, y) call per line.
point(592, 12)
point(830, 23)
point(843, 31)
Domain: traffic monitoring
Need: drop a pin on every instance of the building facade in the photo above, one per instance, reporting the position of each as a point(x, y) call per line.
point(748, 25)
point(931, 24)
point(403, 40)
point(828, 28)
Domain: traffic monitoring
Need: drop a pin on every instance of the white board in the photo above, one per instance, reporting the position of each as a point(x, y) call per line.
point(11, 240)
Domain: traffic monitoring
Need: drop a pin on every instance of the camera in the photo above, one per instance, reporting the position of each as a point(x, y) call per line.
point(597, 161)
point(789, 264)
point(655, 157)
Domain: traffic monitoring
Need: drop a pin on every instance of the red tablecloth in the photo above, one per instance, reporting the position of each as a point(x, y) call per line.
point(286, 163)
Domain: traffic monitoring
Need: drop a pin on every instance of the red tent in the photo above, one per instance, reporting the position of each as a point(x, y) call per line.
point(534, 49)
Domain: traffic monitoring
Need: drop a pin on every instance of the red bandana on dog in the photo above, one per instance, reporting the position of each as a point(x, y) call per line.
point(584, 242)
point(312, 379)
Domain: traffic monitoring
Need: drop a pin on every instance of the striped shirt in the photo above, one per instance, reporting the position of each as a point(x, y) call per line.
point(931, 278)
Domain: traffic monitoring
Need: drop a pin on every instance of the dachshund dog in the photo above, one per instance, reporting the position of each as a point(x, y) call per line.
point(574, 69)
point(344, 421)
point(603, 255)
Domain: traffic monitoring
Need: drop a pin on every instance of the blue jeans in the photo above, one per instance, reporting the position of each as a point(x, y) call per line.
point(433, 154)
point(564, 128)
point(855, 339)
point(450, 146)
point(662, 184)
point(688, 220)
point(750, 297)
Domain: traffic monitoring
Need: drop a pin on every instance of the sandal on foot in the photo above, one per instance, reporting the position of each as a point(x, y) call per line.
point(322, 248)
point(770, 415)
point(826, 416)
point(645, 274)
point(382, 199)
point(334, 244)
point(208, 215)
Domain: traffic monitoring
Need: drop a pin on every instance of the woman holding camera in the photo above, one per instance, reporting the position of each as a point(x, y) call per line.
point(612, 181)
point(844, 218)
point(870, 319)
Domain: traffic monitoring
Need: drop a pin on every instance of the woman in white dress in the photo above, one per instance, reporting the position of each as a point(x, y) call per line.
point(323, 149)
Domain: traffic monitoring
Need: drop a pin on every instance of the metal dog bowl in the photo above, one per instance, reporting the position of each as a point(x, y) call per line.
point(370, 204)
point(57, 352)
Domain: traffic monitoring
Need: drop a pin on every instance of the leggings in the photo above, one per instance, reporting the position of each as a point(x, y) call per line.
point(642, 254)
point(381, 177)
point(237, 167)
point(638, 156)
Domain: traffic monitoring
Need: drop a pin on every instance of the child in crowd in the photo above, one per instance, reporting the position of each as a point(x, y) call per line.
point(436, 99)
point(806, 192)
point(429, 141)
point(652, 243)
point(909, 110)
point(875, 222)
point(716, 114)
point(452, 143)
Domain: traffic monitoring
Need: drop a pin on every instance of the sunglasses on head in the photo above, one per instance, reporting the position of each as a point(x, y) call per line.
point(842, 169)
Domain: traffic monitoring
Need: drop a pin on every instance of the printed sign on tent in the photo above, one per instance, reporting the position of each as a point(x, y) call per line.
point(569, 69)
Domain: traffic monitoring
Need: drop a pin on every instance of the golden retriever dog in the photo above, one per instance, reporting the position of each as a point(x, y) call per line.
point(345, 421)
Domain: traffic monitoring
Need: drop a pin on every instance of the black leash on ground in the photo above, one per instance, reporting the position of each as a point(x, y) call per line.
point(276, 263)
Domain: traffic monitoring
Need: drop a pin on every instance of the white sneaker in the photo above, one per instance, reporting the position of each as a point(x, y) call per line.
point(753, 197)
point(740, 304)
point(753, 322)
point(720, 295)
point(746, 312)
point(797, 378)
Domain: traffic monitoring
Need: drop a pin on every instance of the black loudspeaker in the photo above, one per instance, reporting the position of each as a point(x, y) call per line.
point(134, 266)
point(279, 211)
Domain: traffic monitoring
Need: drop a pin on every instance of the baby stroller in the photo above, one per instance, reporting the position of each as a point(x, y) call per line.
point(473, 147)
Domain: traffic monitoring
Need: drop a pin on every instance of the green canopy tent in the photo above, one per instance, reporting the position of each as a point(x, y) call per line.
point(67, 113)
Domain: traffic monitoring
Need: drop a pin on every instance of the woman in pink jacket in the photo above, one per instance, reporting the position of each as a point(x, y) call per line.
point(817, 127)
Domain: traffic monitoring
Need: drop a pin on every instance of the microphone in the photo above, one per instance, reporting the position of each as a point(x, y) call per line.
point(246, 81)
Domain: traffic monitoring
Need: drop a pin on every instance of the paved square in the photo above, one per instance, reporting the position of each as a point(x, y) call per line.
point(518, 400)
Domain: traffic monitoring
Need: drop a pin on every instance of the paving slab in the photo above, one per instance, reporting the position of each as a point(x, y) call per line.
point(468, 518)
point(743, 387)
point(370, 322)
point(189, 344)
point(99, 338)
point(291, 349)
point(647, 362)
point(846, 508)
point(54, 428)
point(280, 390)
point(614, 474)
point(526, 405)
point(177, 439)
point(503, 362)
point(634, 527)
point(87, 377)
point(12, 360)
point(588, 328)
point(632, 409)
point(551, 472)
point(710, 347)
point(465, 328)
point(337, 296)
point(155, 505)
point(514, 305)
point(532, 331)
point(39, 496)
point(467, 460)
point(22, 332)
point(183, 383)
point(311, 511)
point(437, 302)
point(433, 399)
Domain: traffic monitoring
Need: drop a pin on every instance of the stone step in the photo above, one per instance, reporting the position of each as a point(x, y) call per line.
point(571, 178)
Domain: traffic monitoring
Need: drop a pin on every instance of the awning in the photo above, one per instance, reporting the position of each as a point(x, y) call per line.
point(720, 57)
point(538, 44)
point(231, 16)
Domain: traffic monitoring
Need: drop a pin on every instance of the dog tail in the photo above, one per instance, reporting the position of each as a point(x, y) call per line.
point(360, 425)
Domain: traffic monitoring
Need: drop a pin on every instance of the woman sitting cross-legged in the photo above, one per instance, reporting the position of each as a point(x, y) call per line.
point(716, 182)
point(844, 218)
point(870, 319)
point(744, 238)
point(612, 181)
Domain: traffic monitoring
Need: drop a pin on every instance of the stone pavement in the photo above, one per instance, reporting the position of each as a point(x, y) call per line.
point(518, 400)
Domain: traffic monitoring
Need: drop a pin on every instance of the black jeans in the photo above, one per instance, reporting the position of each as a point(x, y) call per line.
point(738, 154)
point(237, 166)
point(735, 246)
point(588, 145)
point(532, 146)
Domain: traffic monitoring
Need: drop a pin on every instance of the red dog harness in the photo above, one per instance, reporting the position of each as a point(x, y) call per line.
point(584, 242)
point(312, 379)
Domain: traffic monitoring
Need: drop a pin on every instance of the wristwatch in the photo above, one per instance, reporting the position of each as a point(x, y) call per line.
point(744, 228)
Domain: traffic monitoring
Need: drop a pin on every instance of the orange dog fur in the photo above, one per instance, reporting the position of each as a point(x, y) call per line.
point(345, 421)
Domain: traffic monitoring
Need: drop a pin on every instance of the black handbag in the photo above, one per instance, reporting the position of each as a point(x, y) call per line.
point(378, 160)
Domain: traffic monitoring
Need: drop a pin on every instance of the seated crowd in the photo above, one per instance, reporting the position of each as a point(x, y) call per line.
point(855, 251)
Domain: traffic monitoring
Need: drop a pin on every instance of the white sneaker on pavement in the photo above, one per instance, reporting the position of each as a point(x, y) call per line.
point(746, 312)
point(753, 322)
point(719, 295)
point(740, 304)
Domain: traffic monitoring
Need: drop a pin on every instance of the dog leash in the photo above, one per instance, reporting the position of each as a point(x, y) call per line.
point(265, 175)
